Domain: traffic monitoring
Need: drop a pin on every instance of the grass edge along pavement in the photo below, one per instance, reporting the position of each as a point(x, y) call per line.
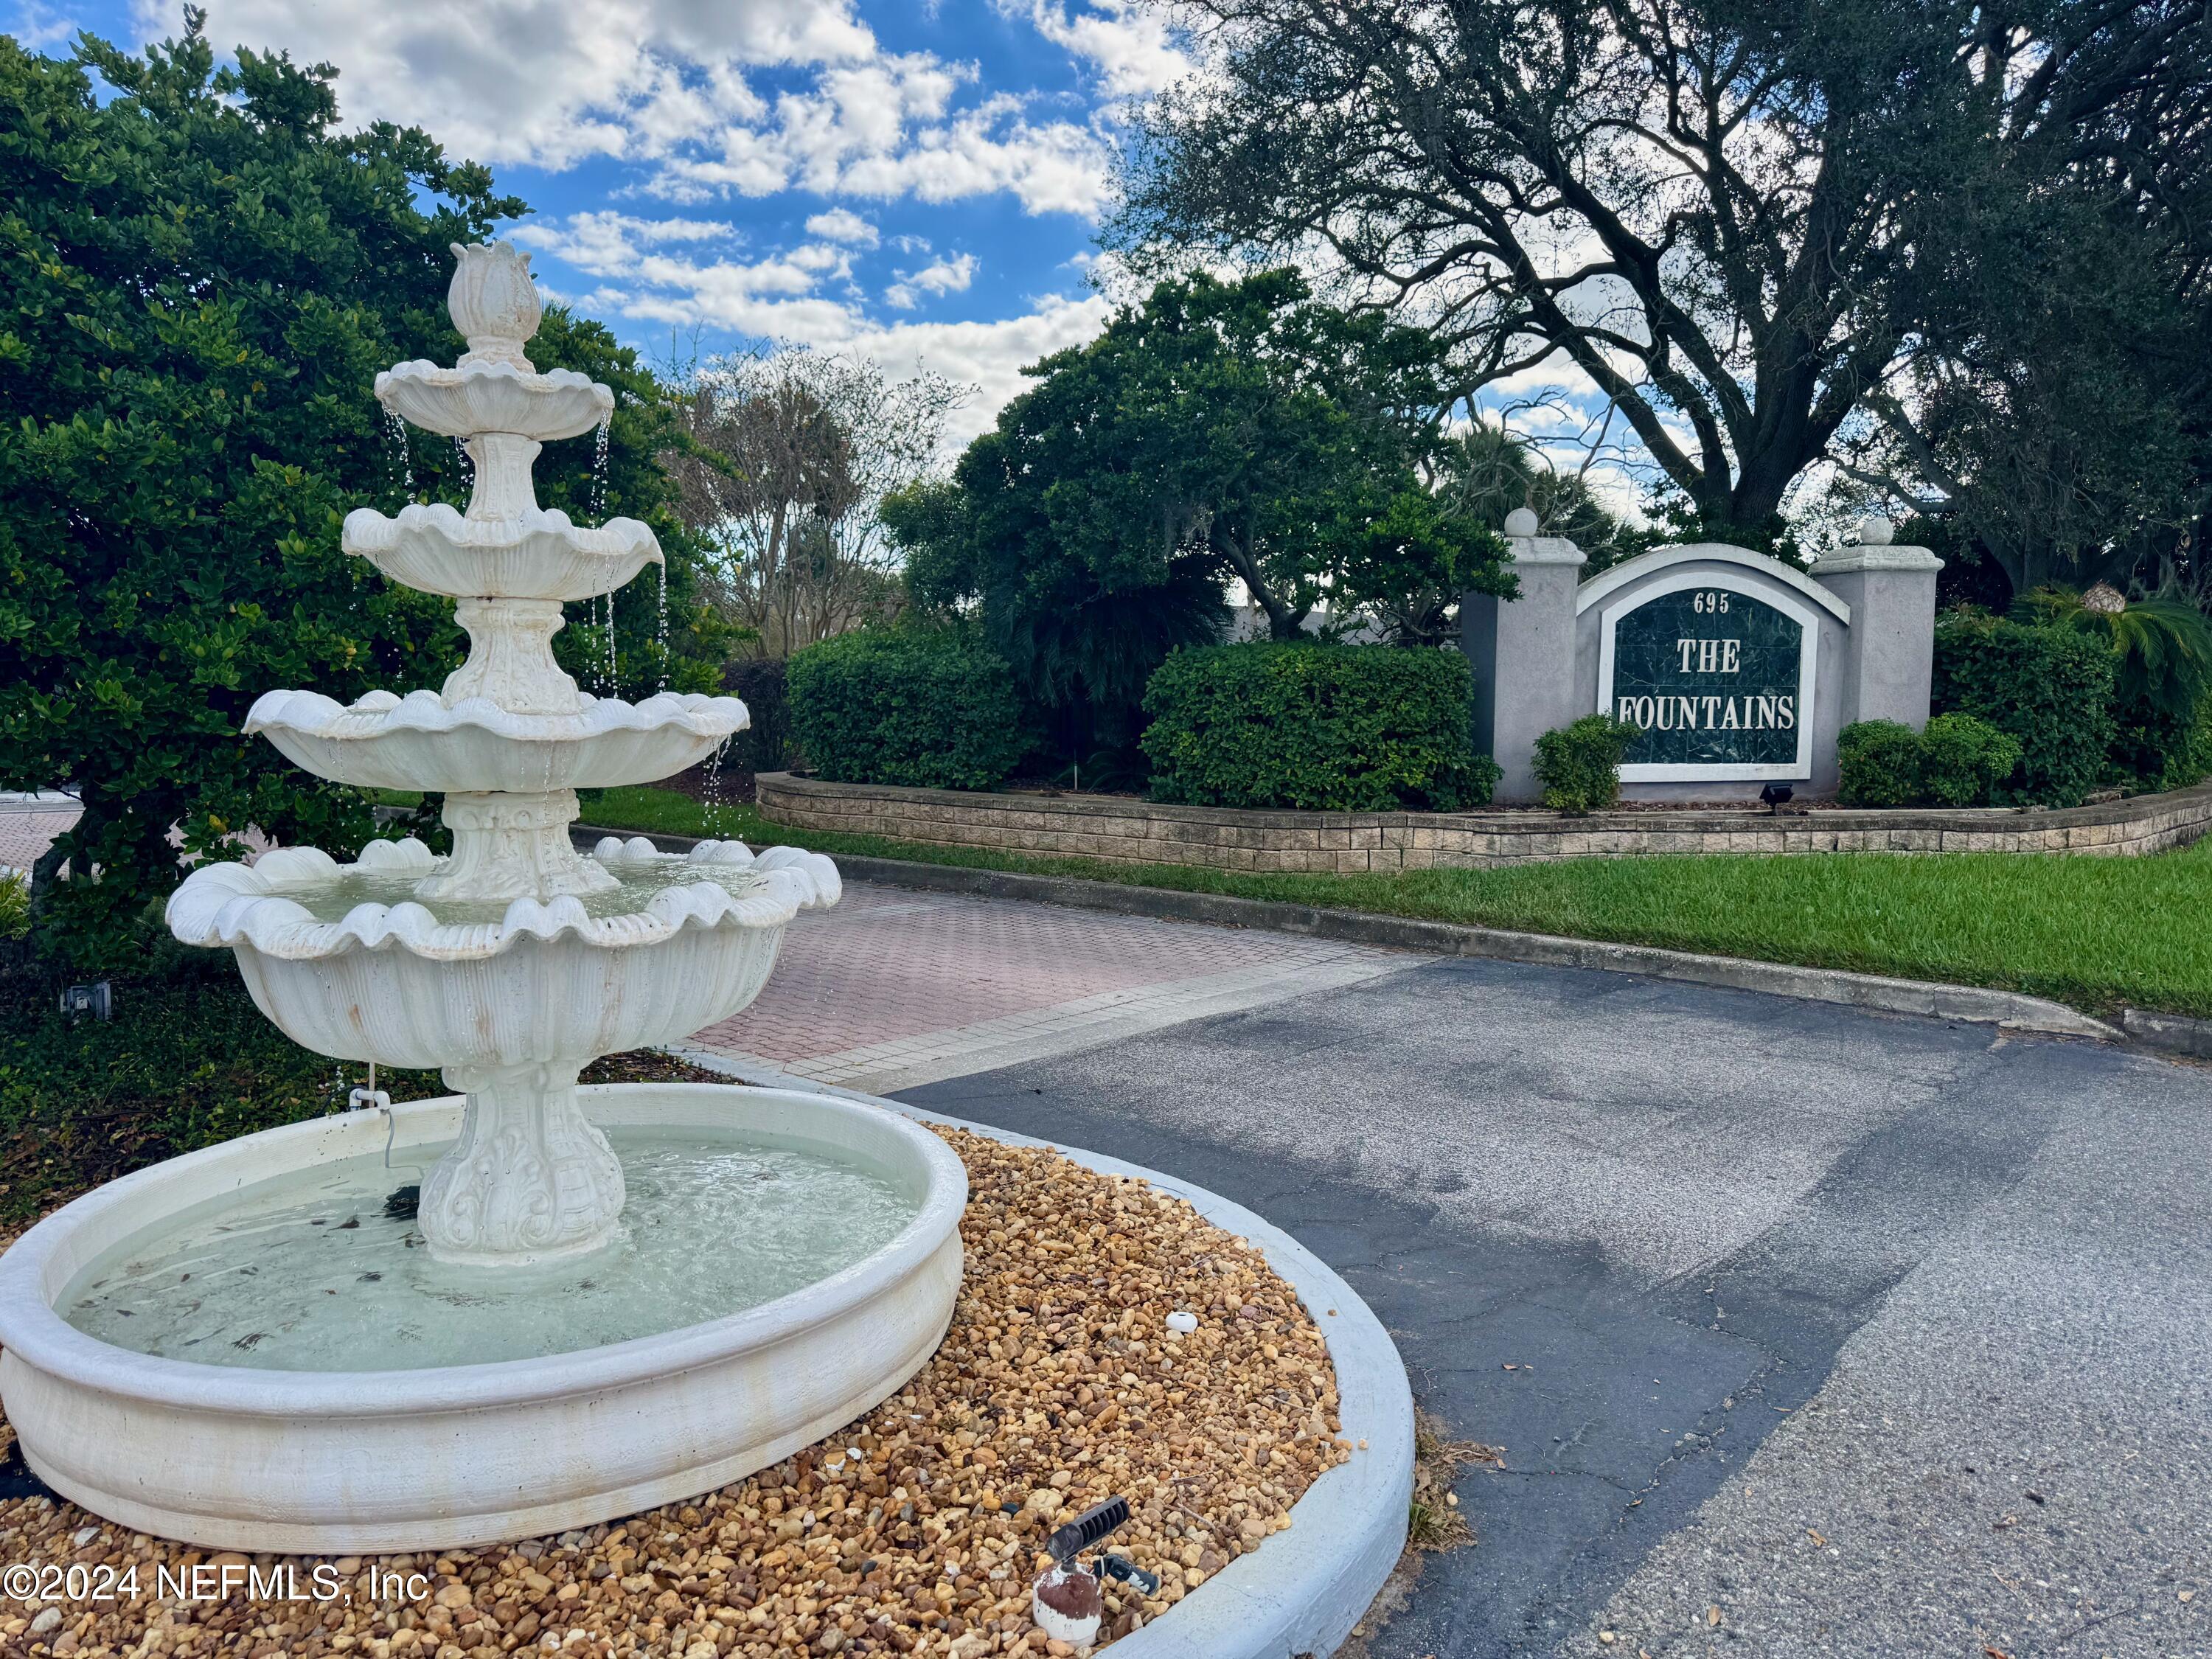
point(2098, 934)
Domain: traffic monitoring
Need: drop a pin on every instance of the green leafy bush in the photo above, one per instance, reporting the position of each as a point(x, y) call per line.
point(1880, 764)
point(1579, 763)
point(1957, 761)
point(925, 710)
point(1345, 728)
point(1963, 761)
point(2051, 688)
point(2157, 751)
point(764, 746)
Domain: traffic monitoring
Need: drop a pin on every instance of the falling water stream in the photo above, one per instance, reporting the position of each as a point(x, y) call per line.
point(395, 432)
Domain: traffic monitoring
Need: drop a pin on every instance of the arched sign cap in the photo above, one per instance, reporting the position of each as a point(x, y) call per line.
point(1599, 587)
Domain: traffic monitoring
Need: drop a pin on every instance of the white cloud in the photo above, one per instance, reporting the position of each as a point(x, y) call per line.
point(941, 276)
point(672, 86)
point(649, 275)
point(544, 81)
point(1132, 49)
point(990, 356)
point(842, 225)
point(606, 244)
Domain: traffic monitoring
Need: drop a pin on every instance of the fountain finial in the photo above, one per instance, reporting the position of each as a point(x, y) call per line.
point(493, 302)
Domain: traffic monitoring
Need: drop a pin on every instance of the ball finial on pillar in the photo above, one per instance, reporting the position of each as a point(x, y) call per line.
point(1876, 530)
point(1521, 521)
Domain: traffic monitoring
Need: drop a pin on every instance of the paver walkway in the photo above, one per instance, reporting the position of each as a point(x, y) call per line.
point(890, 989)
point(28, 827)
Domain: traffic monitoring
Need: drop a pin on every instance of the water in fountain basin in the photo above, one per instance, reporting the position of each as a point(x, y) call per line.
point(309, 1274)
point(638, 883)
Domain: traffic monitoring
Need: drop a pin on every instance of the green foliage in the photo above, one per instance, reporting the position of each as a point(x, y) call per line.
point(2050, 688)
point(2164, 646)
point(200, 278)
point(1964, 760)
point(1489, 470)
point(2152, 750)
point(1348, 728)
point(1956, 761)
point(1579, 763)
point(764, 685)
point(15, 906)
point(927, 710)
point(1880, 764)
point(187, 1061)
point(201, 282)
point(1218, 431)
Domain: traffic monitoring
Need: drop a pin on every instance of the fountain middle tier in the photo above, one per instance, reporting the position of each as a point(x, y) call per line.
point(506, 398)
point(420, 742)
point(535, 554)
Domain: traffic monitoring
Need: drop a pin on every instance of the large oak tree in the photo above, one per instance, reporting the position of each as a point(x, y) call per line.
point(1713, 210)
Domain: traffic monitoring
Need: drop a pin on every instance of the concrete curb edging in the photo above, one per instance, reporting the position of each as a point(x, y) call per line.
point(2175, 1033)
point(1302, 1591)
point(1934, 999)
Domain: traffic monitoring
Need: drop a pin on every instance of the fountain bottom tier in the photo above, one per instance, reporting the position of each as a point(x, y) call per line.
point(241, 1348)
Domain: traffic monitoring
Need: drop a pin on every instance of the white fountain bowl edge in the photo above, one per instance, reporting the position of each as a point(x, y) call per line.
point(246, 1459)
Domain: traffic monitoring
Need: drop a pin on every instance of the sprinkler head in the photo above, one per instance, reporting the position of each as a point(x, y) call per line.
point(1090, 1527)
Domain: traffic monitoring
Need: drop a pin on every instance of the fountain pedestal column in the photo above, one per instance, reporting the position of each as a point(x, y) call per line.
point(511, 846)
point(530, 1180)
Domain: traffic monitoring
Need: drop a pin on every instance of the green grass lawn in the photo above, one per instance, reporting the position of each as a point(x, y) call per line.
point(2096, 932)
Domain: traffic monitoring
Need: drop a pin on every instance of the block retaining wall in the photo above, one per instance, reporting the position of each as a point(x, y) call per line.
point(1140, 832)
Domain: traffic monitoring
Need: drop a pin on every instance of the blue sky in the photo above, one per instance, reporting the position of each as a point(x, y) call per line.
point(919, 183)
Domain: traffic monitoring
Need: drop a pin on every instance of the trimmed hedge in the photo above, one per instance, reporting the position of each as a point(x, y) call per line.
point(1957, 761)
point(2050, 688)
point(765, 745)
point(928, 711)
point(1579, 763)
point(1338, 729)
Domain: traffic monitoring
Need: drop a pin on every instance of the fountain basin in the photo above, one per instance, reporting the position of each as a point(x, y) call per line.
point(534, 982)
point(473, 747)
point(535, 555)
point(343, 1461)
point(504, 397)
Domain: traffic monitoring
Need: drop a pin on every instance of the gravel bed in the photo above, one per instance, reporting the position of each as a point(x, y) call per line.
point(916, 1529)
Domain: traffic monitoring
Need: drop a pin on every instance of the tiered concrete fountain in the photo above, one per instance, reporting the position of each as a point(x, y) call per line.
point(250, 1347)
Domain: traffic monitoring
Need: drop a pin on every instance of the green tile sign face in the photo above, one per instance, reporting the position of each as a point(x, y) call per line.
point(1711, 676)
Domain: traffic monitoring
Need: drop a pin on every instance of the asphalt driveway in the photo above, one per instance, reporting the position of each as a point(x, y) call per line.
point(1803, 1330)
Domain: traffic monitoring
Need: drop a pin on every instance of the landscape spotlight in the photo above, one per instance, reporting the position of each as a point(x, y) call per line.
point(1774, 795)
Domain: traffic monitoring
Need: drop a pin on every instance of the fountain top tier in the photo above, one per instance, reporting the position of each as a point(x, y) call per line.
point(510, 734)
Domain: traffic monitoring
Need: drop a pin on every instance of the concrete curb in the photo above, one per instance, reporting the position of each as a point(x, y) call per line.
point(1301, 1592)
point(2173, 1034)
point(1929, 998)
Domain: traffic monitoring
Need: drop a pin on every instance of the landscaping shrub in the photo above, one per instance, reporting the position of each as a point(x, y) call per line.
point(1342, 728)
point(1880, 764)
point(2051, 688)
point(1579, 763)
point(1958, 761)
point(2155, 749)
point(765, 745)
point(932, 711)
point(1963, 761)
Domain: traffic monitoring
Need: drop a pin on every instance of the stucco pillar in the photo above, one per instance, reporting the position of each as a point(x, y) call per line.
point(1891, 658)
point(1522, 651)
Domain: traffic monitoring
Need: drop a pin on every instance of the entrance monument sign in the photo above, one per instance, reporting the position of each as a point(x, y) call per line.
point(1737, 669)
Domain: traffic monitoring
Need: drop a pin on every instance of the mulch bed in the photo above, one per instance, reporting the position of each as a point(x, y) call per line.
point(916, 1529)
